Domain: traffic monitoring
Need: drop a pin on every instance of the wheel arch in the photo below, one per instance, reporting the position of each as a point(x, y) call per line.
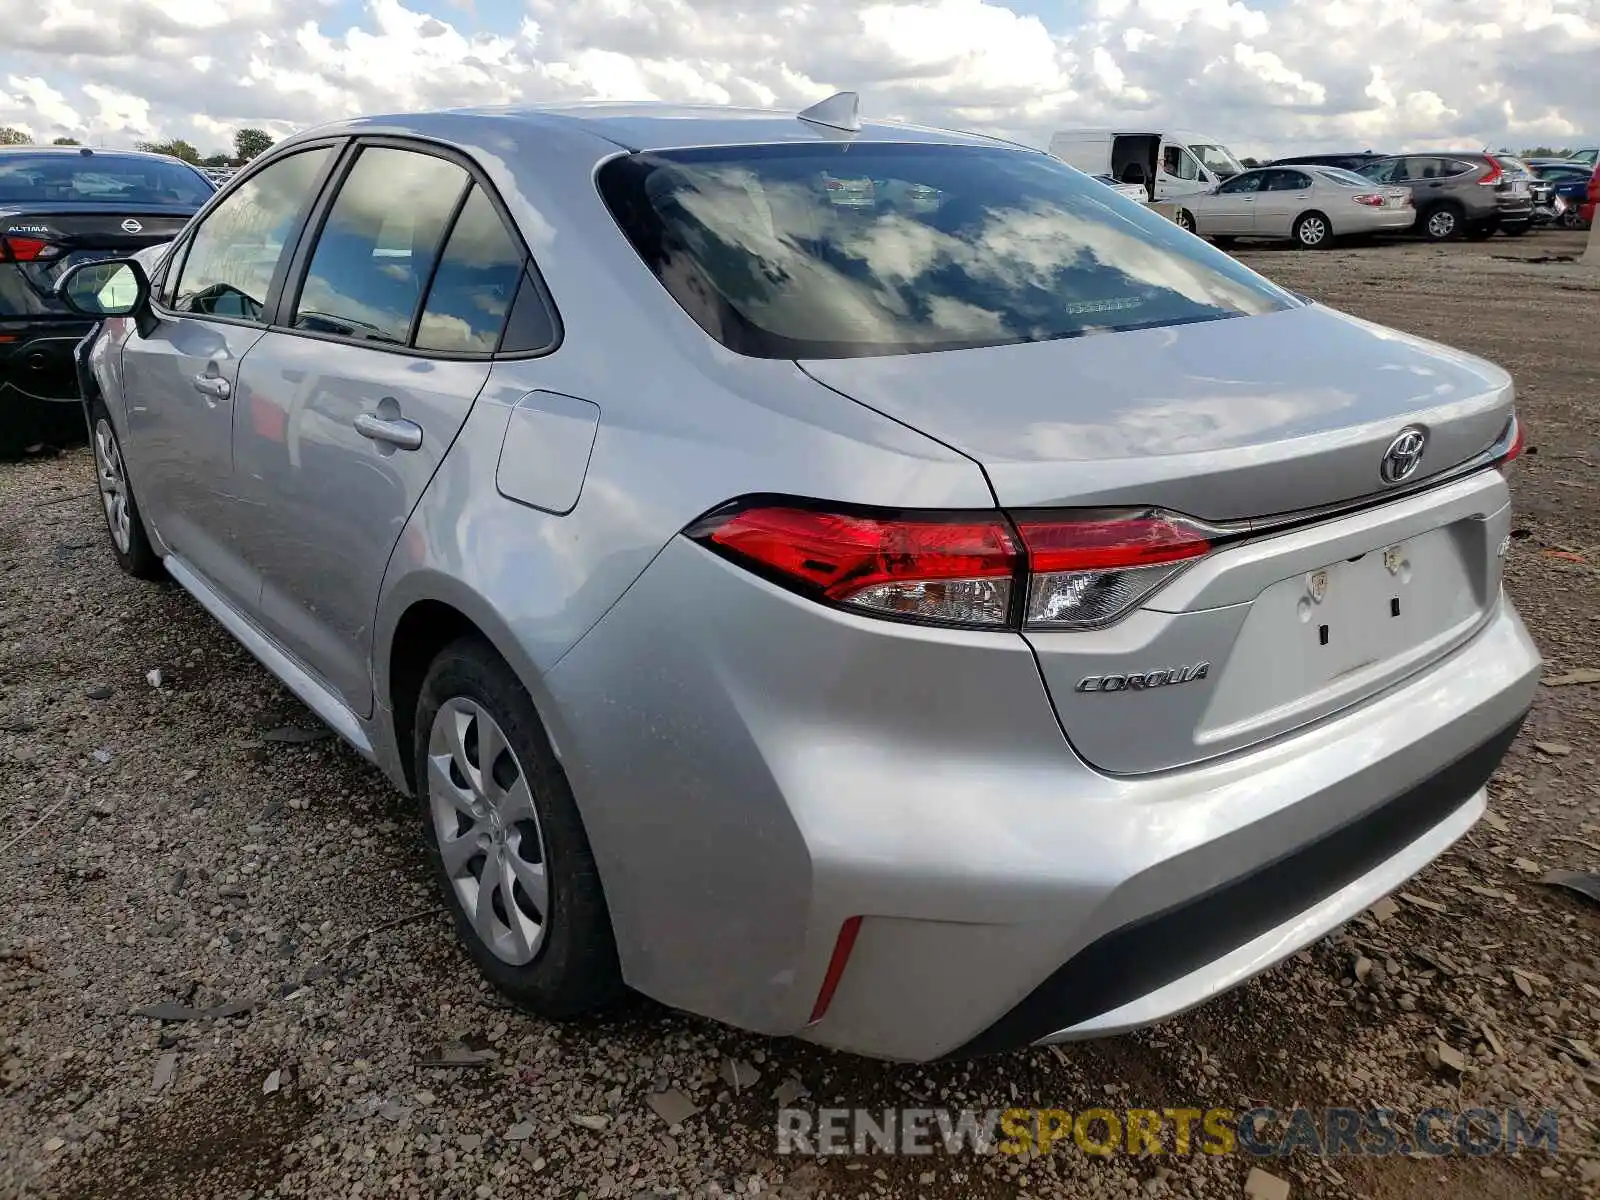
point(1313, 212)
point(419, 619)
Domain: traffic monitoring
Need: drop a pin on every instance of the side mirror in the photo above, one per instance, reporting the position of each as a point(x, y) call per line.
point(114, 288)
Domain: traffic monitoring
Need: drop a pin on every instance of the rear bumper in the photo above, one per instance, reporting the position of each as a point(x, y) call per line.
point(1155, 968)
point(773, 769)
point(37, 360)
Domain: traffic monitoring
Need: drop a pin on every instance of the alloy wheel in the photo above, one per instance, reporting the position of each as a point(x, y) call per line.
point(1185, 220)
point(1442, 224)
point(488, 831)
point(1313, 231)
point(113, 485)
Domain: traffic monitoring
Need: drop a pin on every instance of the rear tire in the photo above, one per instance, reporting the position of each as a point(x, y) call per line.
point(1185, 220)
point(130, 544)
point(1313, 232)
point(543, 934)
point(1441, 223)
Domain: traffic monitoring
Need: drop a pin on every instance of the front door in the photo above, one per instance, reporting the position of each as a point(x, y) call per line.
point(1231, 211)
point(182, 380)
point(1179, 173)
point(355, 399)
point(1284, 195)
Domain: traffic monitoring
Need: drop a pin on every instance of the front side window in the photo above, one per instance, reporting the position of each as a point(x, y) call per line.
point(1250, 181)
point(1388, 170)
point(474, 285)
point(378, 245)
point(235, 251)
point(954, 246)
point(1179, 163)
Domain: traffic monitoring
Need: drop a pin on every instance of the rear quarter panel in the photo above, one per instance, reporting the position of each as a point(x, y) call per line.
point(683, 426)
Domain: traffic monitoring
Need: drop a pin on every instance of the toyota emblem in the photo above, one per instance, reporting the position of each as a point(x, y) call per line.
point(132, 226)
point(1404, 455)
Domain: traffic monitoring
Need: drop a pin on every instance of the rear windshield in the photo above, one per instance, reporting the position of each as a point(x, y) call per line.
point(1347, 178)
point(1515, 165)
point(99, 179)
point(849, 250)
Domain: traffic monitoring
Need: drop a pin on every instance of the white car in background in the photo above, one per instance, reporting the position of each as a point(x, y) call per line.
point(1310, 205)
point(1133, 191)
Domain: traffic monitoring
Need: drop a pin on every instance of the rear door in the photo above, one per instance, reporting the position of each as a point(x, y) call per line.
point(181, 381)
point(358, 391)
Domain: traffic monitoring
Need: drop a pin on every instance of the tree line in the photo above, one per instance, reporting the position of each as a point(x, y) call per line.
point(247, 144)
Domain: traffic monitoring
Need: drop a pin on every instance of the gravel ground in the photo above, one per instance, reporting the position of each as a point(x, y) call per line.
point(193, 846)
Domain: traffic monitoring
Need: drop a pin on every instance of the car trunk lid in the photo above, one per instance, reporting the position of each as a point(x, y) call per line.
point(1236, 423)
point(73, 234)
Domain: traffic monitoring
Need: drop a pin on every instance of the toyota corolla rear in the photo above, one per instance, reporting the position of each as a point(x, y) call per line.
point(1224, 658)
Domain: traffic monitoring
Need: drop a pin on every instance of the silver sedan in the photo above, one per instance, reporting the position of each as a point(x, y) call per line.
point(848, 580)
point(1310, 205)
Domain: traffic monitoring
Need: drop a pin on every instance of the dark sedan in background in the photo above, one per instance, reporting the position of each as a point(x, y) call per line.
point(1349, 162)
point(60, 206)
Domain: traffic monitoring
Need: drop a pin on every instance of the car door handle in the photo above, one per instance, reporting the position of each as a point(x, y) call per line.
point(213, 385)
point(395, 431)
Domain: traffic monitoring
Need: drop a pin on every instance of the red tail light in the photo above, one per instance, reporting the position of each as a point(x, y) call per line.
point(1369, 200)
point(1070, 569)
point(26, 249)
point(952, 568)
point(1495, 175)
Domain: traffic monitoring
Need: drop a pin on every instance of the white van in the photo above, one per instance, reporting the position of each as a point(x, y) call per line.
point(1177, 162)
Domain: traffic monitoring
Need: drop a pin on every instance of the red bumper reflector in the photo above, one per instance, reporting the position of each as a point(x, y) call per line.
point(836, 965)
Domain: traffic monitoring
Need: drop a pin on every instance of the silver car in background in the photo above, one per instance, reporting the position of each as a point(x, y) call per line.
point(948, 611)
point(1309, 205)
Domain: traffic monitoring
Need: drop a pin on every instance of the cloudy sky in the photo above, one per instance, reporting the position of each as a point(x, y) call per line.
point(1261, 75)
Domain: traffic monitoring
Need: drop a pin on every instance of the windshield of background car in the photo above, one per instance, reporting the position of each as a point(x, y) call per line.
point(929, 247)
point(99, 179)
point(1217, 160)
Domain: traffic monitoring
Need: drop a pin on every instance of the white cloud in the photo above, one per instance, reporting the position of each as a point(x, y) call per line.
point(1262, 75)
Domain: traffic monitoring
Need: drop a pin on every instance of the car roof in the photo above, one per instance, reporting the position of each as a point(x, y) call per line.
point(93, 152)
point(650, 126)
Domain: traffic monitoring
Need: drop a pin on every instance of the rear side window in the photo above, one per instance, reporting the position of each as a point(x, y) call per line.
point(474, 285)
point(949, 246)
point(378, 245)
point(235, 251)
point(1285, 181)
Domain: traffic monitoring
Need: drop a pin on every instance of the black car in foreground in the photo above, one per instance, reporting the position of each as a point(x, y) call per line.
point(60, 206)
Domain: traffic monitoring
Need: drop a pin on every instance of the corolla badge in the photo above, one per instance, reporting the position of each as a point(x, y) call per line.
point(1404, 455)
point(1139, 681)
point(132, 226)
